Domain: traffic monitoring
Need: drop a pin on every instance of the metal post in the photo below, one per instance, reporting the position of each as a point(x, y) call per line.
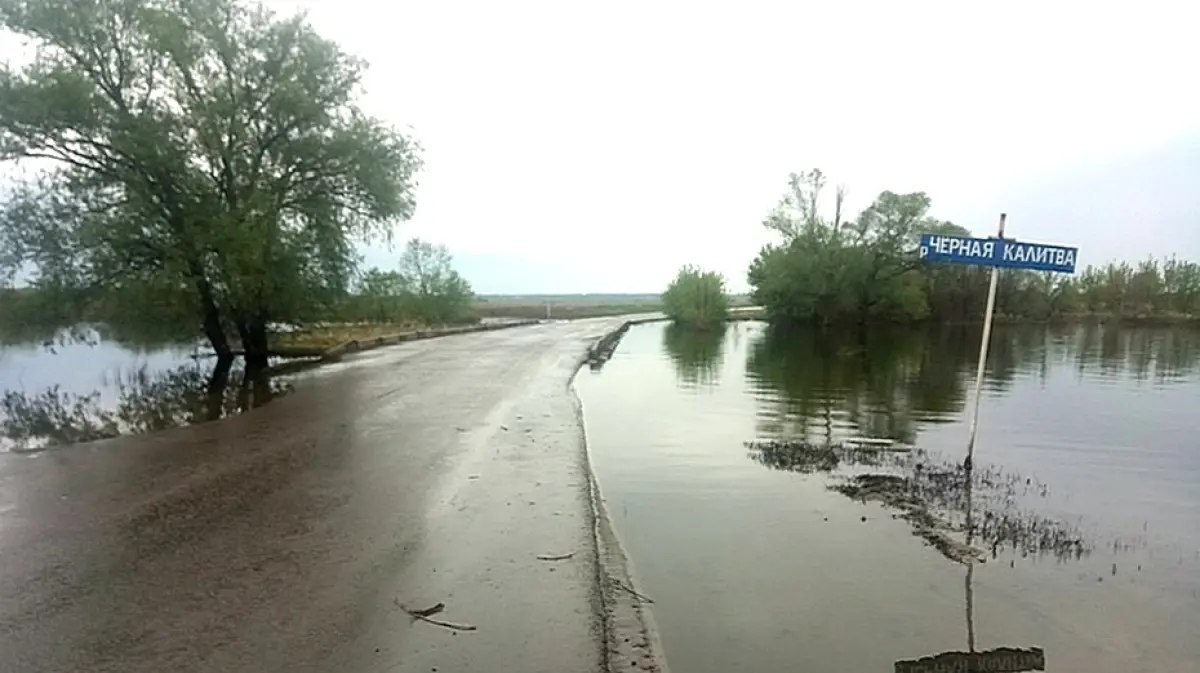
point(983, 353)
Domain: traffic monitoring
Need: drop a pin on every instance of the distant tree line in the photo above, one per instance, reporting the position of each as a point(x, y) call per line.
point(841, 269)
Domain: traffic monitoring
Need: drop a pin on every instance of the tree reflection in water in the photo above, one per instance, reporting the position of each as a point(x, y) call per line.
point(818, 385)
point(817, 388)
point(146, 401)
point(697, 354)
point(1009, 659)
point(814, 384)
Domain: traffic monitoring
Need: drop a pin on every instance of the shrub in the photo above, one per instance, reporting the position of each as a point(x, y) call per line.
point(696, 298)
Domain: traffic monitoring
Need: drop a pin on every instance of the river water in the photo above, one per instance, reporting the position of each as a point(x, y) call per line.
point(778, 556)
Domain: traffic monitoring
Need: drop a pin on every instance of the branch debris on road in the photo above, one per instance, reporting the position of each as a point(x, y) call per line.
point(425, 614)
point(621, 585)
point(555, 557)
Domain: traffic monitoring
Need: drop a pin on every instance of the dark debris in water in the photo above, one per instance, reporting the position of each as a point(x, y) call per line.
point(897, 493)
point(808, 457)
point(942, 500)
point(794, 456)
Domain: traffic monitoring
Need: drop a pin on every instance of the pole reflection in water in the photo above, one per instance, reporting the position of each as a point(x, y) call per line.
point(1005, 659)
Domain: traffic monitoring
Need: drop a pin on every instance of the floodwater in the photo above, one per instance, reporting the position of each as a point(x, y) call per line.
point(765, 550)
point(86, 383)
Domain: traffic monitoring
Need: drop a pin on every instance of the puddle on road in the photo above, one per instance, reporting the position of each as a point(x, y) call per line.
point(789, 554)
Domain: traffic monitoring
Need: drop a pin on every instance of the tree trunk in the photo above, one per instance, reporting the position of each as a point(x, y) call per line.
point(215, 392)
point(255, 389)
point(212, 322)
point(253, 331)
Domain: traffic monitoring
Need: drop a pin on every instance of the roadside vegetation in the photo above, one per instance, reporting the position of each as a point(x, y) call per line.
point(832, 268)
point(696, 299)
point(423, 290)
point(207, 155)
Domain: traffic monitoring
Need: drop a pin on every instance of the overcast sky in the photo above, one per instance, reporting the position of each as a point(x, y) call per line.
point(578, 146)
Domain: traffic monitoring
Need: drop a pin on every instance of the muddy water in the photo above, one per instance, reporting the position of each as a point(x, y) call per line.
point(1085, 498)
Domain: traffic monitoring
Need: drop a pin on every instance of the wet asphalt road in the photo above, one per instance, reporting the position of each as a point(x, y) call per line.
point(284, 539)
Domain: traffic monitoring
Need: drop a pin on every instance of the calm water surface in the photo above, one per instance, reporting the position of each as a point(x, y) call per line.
point(1089, 435)
point(88, 382)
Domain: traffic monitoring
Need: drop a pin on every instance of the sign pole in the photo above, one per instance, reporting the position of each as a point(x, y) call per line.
point(983, 352)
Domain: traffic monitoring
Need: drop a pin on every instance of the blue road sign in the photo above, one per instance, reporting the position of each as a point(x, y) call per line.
point(1001, 252)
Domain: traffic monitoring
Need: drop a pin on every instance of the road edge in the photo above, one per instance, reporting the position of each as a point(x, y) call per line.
point(631, 640)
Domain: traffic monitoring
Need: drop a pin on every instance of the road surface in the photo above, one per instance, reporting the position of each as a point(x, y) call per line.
point(288, 538)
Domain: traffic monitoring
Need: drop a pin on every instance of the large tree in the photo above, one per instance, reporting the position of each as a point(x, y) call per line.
point(206, 146)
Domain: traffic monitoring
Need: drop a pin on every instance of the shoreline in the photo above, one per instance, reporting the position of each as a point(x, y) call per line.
point(631, 639)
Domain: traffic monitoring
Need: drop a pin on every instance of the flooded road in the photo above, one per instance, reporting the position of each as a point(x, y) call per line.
point(784, 556)
point(293, 538)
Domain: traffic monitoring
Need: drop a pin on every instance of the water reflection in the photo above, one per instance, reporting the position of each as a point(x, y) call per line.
point(146, 401)
point(1005, 659)
point(824, 384)
point(1008, 659)
point(697, 354)
point(815, 384)
point(135, 337)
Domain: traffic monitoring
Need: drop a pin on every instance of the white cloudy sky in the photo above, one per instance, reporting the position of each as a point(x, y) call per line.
point(576, 146)
point(597, 146)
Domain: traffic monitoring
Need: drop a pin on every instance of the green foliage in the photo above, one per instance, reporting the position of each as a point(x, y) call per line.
point(865, 270)
point(1152, 289)
point(696, 299)
point(439, 293)
point(204, 148)
point(136, 315)
point(425, 288)
point(833, 270)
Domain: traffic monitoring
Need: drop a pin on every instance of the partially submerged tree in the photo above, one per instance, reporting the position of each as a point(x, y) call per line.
point(835, 270)
point(202, 145)
point(696, 298)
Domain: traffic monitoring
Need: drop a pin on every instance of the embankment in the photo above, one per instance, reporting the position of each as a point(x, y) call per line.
point(631, 641)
